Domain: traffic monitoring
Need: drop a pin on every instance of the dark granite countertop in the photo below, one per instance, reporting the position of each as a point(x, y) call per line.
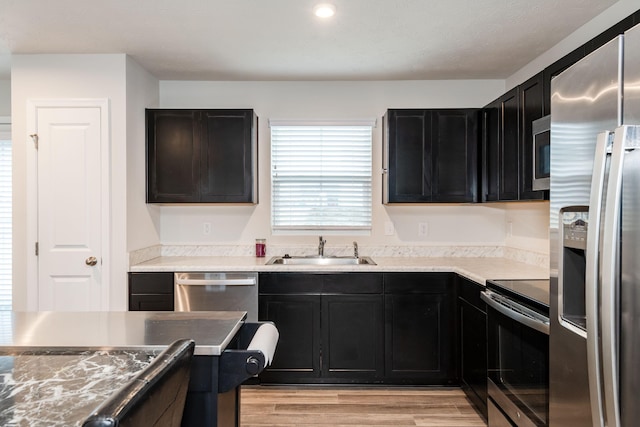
point(39, 389)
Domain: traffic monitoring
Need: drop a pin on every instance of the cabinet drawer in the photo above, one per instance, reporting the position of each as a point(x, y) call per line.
point(352, 283)
point(417, 283)
point(151, 302)
point(290, 283)
point(151, 283)
point(470, 291)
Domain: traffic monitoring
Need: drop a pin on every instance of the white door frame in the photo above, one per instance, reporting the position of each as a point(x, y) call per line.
point(32, 192)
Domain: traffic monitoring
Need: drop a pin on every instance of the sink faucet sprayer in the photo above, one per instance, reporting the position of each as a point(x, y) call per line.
point(321, 247)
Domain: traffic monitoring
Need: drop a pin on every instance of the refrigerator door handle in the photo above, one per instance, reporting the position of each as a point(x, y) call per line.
point(610, 255)
point(603, 146)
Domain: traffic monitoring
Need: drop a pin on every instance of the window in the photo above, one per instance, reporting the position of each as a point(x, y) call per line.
point(5, 215)
point(321, 176)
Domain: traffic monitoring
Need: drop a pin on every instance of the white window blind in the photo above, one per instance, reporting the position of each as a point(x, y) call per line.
point(5, 223)
point(321, 177)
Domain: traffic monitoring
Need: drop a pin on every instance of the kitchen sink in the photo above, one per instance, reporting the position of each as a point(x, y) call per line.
point(319, 260)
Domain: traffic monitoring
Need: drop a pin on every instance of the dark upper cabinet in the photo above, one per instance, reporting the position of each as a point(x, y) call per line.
point(430, 155)
point(507, 143)
point(455, 155)
point(531, 108)
point(201, 156)
point(173, 156)
point(501, 148)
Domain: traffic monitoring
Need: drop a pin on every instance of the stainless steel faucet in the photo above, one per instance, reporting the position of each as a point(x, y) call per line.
point(355, 250)
point(321, 247)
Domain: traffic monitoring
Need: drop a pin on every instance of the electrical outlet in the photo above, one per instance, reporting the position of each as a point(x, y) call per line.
point(423, 229)
point(206, 228)
point(389, 229)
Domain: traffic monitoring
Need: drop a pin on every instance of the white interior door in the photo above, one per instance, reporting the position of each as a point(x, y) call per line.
point(69, 142)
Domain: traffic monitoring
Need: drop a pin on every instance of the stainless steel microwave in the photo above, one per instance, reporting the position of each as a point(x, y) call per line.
point(541, 153)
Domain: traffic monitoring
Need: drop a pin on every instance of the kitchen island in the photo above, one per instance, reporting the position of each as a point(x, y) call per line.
point(56, 367)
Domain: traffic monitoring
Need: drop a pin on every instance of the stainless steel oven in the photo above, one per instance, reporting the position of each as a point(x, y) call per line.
point(518, 351)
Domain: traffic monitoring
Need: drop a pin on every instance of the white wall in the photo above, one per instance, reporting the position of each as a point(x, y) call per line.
point(67, 76)
point(457, 224)
point(5, 97)
point(142, 220)
point(614, 14)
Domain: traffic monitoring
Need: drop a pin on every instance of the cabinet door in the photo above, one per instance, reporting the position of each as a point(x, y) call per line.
point(509, 146)
point(297, 356)
point(173, 156)
point(472, 344)
point(455, 155)
point(473, 353)
point(419, 328)
point(228, 154)
point(531, 108)
point(491, 152)
point(151, 291)
point(409, 154)
point(352, 338)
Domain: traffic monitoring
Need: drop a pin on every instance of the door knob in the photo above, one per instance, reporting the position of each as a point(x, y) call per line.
point(91, 261)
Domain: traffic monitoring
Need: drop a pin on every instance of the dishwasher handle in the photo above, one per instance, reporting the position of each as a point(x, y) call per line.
point(249, 281)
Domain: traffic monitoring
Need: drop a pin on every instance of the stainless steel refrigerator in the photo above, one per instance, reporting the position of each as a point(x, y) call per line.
point(594, 338)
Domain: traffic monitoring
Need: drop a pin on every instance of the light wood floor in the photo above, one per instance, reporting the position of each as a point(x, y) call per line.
point(346, 406)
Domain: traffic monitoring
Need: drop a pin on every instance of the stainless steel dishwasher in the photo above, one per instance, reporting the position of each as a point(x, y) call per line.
point(217, 292)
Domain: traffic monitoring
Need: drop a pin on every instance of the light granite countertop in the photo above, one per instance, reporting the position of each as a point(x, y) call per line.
point(478, 269)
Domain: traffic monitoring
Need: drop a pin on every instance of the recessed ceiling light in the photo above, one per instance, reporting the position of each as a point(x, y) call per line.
point(324, 10)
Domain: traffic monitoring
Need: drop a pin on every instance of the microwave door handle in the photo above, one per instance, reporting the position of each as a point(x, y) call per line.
point(592, 287)
point(611, 241)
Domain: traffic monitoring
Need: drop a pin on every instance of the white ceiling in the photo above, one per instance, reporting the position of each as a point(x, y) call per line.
point(282, 40)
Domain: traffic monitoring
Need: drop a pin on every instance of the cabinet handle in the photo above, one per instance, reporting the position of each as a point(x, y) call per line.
point(91, 261)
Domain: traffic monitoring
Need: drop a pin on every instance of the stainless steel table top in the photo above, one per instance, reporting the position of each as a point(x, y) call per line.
point(59, 332)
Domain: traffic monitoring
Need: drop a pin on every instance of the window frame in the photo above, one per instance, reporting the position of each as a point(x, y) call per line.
point(364, 228)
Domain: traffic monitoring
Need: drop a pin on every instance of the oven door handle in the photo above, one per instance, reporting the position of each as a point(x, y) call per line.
point(492, 301)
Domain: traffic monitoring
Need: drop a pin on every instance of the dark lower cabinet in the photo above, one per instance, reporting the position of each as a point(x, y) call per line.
point(361, 328)
point(297, 356)
point(420, 328)
point(472, 318)
point(352, 348)
point(331, 327)
point(150, 291)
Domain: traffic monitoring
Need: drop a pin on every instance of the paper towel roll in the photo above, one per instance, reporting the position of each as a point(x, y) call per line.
point(265, 340)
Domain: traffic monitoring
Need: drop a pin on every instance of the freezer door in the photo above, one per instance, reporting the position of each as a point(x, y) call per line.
point(632, 76)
